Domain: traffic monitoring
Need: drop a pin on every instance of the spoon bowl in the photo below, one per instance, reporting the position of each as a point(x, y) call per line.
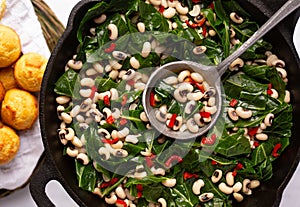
point(211, 74)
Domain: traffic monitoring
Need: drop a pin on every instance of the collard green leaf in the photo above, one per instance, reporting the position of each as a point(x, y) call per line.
point(86, 176)
point(68, 84)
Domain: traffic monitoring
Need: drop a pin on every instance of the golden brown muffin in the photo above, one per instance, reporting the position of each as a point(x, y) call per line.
point(19, 109)
point(9, 144)
point(10, 46)
point(29, 71)
point(2, 92)
point(2, 8)
point(7, 78)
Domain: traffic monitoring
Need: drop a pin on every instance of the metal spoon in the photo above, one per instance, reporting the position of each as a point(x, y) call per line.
point(211, 74)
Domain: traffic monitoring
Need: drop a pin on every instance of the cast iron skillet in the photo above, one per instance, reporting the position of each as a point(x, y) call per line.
point(55, 166)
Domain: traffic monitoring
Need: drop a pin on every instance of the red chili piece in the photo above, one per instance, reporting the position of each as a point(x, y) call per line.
point(213, 162)
point(131, 82)
point(209, 140)
point(204, 114)
point(195, 25)
point(172, 159)
point(200, 87)
point(121, 202)
point(252, 131)
point(161, 9)
point(269, 90)
point(212, 6)
point(238, 166)
point(187, 175)
point(149, 160)
point(196, 1)
point(123, 121)
point(275, 150)
point(106, 100)
point(110, 120)
point(172, 120)
point(233, 102)
point(94, 90)
point(204, 30)
point(111, 48)
point(110, 141)
point(256, 143)
point(124, 100)
point(110, 183)
point(152, 99)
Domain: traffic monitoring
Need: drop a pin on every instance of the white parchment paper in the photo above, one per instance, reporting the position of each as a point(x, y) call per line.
point(20, 16)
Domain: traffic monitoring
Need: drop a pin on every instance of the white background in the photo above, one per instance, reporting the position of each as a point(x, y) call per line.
point(22, 197)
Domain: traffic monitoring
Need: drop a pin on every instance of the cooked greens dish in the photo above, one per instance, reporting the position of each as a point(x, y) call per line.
point(119, 156)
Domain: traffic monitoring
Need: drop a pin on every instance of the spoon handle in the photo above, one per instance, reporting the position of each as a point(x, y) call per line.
point(284, 11)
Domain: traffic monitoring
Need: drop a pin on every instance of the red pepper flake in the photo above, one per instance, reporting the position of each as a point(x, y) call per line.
point(233, 102)
point(110, 183)
point(111, 48)
point(139, 187)
point(161, 9)
point(124, 100)
point(239, 166)
point(234, 173)
point(94, 90)
point(275, 150)
point(196, 1)
point(121, 202)
point(204, 31)
point(252, 131)
point(106, 100)
point(195, 25)
point(123, 121)
point(256, 144)
point(131, 82)
point(139, 194)
point(209, 140)
point(172, 120)
point(204, 114)
point(110, 141)
point(189, 80)
point(187, 175)
point(212, 6)
point(172, 159)
point(269, 90)
point(152, 99)
point(200, 87)
point(149, 162)
point(110, 120)
point(213, 162)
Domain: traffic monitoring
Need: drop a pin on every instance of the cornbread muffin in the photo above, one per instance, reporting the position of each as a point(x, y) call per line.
point(2, 8)
point(10, 46)
point(7, 78)
point(19, 109)
point(2, 92)
point(29, 71)
point(9, 144)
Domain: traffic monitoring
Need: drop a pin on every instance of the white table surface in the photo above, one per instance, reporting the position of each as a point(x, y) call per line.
point(60, 198)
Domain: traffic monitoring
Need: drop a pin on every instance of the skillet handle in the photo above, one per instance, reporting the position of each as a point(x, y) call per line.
point(45, 172)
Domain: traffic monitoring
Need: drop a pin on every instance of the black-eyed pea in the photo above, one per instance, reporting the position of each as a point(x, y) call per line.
point(104, 153)
point(205, 197)
point(120, 192)
point(171, 80)
point(155, 2)
point(238, 197)
point(66, 117)
point(113, 74)
point(160, 116)
point(270, 59)
point(114, 65)
point(119, 55)
point(190, 107)
point(107, 112)
point(146, 49)
point(237, 187)
point(195, 11)
point(196, 96)
point(140, 175)
point(62, 100)
point(75, 64)
point(274, 93)
point(199, 121)
point(236, 64)
point(212, 32)
point(139, 86)
point(98, 67)
point(120, 153)
point(278, 63)
point(132, 138)
point(97, 191)
point(172, 3)
point(134, 62)
point(111, 199)
point(192, 126)
point(254, 184)
point(199, 50)
point(72, 152)
point(60, 109)
point(229, 179)
point(262, 126)
point(210, 109)
point(183, 10)
point(236, 18)
point(234, 41)
point(69, 133)
point(113, 29)
point(216, 176)
point(104, 133)
point(158, 171)
point(123, 133)
point(129, 75)
point(268, 120)
point(128, 195)
point(282, 72)
point(179, 96)
point(108, 68)
point(143, 117)
point(76, 142)
point(197, 77)
point(100, 19)
point(163, 202)
point(246, 187)
point(197, 185)
point(287, 96)
point(183, 75)
point(178, 123)
point(183, 128)
point(261, 136)
point(118, 145)
point(211, 101)
point(232, 33)
point(83, 158)
point(243, 113)
point(169, 182)
point(225, 188)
